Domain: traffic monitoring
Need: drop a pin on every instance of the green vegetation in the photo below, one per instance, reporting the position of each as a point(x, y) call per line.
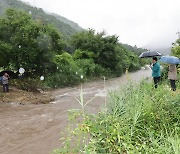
point(175, 51)
point(65, 26)
point(134, 49)
point(42, 50)
point(105, 51)
point(176, 48)
point(139, 119)
point(27, 43)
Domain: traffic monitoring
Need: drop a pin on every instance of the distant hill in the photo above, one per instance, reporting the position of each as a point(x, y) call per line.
point(67, 21)
point(135, 49)
point(164, 51)
point(65, 26)
point(162, 47)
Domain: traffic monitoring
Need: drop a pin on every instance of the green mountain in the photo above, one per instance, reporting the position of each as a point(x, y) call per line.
point(134, 49)
point(65, 26)
point(69, 22)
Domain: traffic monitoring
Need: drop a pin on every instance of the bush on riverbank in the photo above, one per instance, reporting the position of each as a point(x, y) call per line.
point(29, 84)
point(42, 49)
point(139, 119)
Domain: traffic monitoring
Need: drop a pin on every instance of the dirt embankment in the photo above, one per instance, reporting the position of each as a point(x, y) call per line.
point(23, 97)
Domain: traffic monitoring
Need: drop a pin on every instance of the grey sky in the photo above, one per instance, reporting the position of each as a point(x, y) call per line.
point(137, 22)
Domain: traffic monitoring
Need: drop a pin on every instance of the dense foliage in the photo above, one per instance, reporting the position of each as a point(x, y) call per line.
point(175, 51)
point(41, 50)
point(105, 51)
point(27, 43)
point(176, 48)
point(139, 119)
point(65, 26)
point(134, 49)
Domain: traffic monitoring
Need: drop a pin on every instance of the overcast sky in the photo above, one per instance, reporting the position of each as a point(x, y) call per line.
point(145, 23)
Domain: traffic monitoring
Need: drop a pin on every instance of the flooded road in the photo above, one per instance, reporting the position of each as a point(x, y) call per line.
point(36, 129)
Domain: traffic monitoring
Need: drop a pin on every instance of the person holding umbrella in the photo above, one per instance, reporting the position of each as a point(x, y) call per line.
point(172, 73)
point(155, 71)
point(172, 76)
point(155, 65)
point(5, 79)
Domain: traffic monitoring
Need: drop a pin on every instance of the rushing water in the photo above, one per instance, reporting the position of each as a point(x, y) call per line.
point(36, 129)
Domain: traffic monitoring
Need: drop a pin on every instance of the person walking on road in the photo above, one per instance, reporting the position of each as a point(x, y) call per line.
point(172, 76)
point(5, 82)
point(156, 72)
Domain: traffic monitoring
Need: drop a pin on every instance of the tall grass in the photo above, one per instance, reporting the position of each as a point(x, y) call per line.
point(151, 117)
point(139, 119)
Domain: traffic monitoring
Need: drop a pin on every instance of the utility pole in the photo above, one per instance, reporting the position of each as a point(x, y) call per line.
point(178, 33)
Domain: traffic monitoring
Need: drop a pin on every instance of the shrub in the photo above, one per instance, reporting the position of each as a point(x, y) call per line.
point(164, 72)
point(79, 54)
point(134, 66)
point(66, 75)
point(87, 65)
point(139, 119)
point(28, 84)
point(64, 58)
point(91, 69)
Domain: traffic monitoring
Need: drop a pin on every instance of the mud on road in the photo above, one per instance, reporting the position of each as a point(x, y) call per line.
point(36, 128)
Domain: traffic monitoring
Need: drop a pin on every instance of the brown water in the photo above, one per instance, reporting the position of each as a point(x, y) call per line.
point(36, 129)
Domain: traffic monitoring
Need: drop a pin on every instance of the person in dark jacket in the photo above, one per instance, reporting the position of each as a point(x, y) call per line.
point(156, 72)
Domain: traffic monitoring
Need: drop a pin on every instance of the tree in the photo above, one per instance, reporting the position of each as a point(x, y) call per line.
point(30, 44)
point(176, 48)
point(5, 49)
point(101, 45)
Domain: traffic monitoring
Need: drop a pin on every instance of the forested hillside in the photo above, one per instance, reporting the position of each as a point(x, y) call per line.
point(41, 50)
point(65, 26)
point(69, 22)
point(134, 49)
point(59, 50)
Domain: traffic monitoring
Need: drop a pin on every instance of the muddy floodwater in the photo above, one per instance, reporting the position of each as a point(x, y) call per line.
point(36, 129)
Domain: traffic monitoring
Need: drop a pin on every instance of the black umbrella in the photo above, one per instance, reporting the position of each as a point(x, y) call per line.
point(147, 54)
point(10, 73)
